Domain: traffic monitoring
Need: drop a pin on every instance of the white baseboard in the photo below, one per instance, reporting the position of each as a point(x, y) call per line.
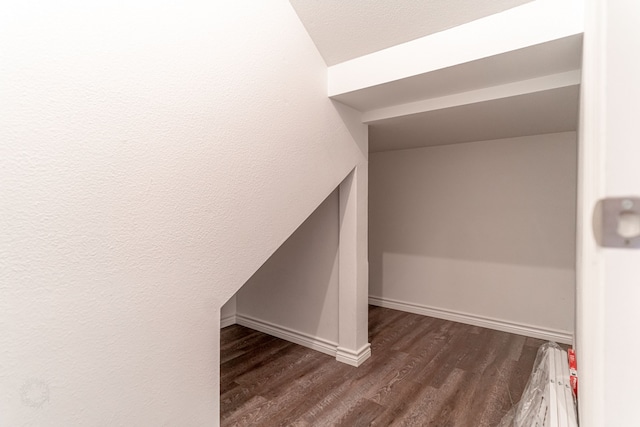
point(352, 358)
point(559, 336)
point(228, 321)
point(305, 340)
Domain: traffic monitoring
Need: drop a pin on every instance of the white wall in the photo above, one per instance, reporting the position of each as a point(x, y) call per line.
point(153, 155)
point(483, 230)
point(228, 312)
point(297, 288)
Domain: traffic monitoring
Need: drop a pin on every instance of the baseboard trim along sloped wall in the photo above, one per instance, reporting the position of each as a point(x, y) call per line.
point(558, 336)
point(228, 321)
point(305, 340)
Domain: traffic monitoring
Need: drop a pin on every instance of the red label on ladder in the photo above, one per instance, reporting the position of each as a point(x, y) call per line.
point(573, 371)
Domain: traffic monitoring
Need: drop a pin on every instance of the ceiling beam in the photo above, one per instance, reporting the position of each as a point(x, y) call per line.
point(361, 82)
point(555, 81)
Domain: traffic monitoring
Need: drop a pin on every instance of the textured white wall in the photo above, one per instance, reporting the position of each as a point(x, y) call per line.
point(297, 288)
point(484, 228)
point(153, 155)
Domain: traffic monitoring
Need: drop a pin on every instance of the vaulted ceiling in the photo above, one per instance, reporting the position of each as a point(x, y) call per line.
point(346, 29)
point(528, 90)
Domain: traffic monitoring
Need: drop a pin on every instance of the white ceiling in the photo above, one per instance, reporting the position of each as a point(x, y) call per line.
point(346, 29)
point(537, 113)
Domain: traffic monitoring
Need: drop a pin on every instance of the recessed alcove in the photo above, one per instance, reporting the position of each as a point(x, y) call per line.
point(473, 169)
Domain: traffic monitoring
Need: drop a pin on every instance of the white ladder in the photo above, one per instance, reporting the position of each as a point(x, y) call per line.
point(559, 401)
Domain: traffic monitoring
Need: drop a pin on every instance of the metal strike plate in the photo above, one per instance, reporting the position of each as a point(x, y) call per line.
point(620, 222)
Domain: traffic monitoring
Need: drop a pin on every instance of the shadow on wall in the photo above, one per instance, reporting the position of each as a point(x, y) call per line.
point(508, 201)
point(483, 229)
point(297, 287)
point(353, 122)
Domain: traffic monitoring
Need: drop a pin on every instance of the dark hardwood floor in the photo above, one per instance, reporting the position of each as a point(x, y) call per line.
point(422, 372)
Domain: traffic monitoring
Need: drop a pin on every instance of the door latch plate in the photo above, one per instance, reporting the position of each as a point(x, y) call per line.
point(620, 222)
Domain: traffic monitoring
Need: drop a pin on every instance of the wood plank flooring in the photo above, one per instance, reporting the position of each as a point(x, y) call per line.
point(423, 372)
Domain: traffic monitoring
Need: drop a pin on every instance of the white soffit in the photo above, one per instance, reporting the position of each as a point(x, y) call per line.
point(346, 29)
point(537, 38)
point(549, 111)
point(553, 57)
point(508, 90)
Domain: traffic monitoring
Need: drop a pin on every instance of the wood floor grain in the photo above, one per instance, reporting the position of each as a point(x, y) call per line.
point(423, 372)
